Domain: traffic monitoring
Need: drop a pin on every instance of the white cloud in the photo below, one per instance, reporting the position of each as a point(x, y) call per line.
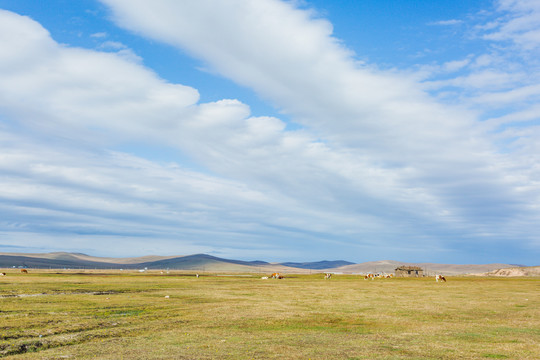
point(456, 65)
point(378, 163)
point(112, 45)
point(99, 35)
point(121, 50)
point(447, 22)
point(383, 120)
point(503, 75)
point(522, 26)
point(83, 95)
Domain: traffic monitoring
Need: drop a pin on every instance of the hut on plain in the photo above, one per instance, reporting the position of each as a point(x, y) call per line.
point(409, 271)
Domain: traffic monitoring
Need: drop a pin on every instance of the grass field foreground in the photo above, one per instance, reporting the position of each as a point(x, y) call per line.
point(122, 315)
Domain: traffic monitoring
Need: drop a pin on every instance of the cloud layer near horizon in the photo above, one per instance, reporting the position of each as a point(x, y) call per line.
point(379, 167)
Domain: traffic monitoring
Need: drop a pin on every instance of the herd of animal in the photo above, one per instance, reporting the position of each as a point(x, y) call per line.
point(327, 276)
point(379, 276)
point(23, 271)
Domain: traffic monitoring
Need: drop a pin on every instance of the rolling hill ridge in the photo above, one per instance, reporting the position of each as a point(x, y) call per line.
point(205, 262)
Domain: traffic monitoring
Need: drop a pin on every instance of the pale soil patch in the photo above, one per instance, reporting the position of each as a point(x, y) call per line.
point(516, 271)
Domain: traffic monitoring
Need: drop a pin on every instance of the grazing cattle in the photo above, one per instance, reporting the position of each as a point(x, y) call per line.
point(327, 276)
point(440, 277)
point(369, 276)
point(276, 276)
point(24, 271)
point(2, 274)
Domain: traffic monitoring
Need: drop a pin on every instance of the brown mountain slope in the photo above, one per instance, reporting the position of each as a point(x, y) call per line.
point(65, 256)
point(388, 266)
point(199, 262)
point(203, 262)
point(515, 271)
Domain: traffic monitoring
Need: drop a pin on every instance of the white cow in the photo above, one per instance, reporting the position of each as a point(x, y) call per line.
point(440, 277)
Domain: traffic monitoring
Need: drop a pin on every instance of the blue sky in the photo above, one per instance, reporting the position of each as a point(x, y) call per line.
point(301, 130)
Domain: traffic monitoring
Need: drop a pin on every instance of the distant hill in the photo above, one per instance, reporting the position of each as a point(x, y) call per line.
point(7, 261)
point(319, 265)
point(388, 266)
point(204, 262)
point(515, 271)
point(79, 258)
point(198, 262)
point(190, 262)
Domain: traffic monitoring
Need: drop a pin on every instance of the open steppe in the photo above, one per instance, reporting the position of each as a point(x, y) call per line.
point(204, 262)
point(130, 315)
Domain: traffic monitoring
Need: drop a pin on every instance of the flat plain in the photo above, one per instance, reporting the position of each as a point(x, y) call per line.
point(130, 315)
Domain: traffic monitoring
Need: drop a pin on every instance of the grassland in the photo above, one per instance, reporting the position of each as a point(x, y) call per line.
point(119, 315)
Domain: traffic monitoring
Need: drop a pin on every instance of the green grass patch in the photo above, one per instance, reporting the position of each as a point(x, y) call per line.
point(147, 316)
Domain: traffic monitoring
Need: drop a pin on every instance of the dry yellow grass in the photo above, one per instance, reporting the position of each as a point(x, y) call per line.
point(128, 315)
